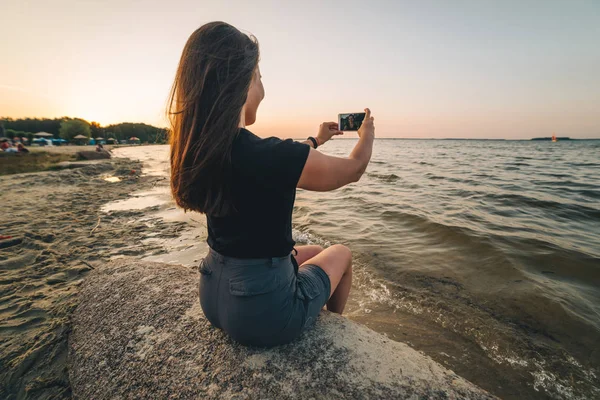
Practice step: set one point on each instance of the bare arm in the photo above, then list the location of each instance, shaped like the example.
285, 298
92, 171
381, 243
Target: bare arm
322, 172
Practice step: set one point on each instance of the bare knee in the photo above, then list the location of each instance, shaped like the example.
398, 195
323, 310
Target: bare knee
343, 252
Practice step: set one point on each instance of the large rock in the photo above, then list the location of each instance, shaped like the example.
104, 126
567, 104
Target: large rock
93, 155
139, 332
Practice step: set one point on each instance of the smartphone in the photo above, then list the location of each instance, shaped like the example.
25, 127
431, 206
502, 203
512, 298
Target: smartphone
350, 121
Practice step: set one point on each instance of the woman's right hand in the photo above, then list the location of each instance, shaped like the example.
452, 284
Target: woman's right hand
323, 172
367, 127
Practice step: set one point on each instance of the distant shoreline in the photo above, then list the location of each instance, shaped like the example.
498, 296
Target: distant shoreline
43, 158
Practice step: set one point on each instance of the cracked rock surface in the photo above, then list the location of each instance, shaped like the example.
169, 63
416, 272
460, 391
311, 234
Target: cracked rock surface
139, 332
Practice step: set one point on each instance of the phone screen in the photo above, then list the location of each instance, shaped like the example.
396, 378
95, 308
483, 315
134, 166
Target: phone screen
350, 121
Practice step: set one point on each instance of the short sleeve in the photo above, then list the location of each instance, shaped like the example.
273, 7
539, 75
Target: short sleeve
275, 163
285, 161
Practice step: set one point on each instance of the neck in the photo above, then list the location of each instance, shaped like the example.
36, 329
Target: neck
242, 118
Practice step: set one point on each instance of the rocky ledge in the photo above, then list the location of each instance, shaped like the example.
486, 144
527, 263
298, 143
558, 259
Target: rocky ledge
139, 332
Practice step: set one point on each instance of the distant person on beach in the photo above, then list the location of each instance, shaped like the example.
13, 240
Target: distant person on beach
22, 149
7, 147
99, 147
254, 284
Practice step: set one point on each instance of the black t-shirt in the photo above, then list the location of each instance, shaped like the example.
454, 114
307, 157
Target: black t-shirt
265, 173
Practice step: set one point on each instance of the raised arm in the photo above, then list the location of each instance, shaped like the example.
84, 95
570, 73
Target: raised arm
322, 172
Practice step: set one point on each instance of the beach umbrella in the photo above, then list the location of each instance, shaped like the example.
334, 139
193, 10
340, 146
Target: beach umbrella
99, 138
43, 134
133, 138
80, 137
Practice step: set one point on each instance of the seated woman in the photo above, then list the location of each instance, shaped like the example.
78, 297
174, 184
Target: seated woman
252, 285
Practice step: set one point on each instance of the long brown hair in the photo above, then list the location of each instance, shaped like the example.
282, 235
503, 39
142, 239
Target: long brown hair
211, 86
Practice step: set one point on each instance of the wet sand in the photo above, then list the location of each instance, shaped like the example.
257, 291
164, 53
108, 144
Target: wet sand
59, 233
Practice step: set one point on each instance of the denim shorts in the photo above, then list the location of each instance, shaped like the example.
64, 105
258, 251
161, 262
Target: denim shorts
261, 302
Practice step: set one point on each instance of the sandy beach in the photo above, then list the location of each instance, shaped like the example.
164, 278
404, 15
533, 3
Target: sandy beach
58, 233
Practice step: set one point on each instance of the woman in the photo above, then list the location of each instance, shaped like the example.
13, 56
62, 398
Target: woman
251, 285
350, 125
22, 149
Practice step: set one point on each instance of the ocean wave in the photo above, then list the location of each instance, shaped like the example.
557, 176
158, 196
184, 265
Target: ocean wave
594, 194
433, 176
556, 175
436, 232
583, 164
472, 182
564, 210
384, 177
307, 237
567, 183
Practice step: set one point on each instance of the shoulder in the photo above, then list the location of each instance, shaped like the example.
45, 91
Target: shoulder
247, 143
246, 140
272, 161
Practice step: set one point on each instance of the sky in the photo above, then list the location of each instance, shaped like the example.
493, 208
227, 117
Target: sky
508, 69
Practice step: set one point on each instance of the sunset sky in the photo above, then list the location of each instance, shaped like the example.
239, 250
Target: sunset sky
472, 69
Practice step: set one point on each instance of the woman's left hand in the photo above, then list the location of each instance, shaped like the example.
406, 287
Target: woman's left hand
327, 130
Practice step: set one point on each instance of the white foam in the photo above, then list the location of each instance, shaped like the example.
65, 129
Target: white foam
309, 238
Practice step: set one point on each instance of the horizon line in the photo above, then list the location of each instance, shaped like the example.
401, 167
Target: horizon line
564, 138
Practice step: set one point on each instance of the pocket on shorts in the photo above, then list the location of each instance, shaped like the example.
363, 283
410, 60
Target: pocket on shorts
204, 268
254, 285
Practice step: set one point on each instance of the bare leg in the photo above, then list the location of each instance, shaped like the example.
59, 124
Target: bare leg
337, 301
336, 261
307, 252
